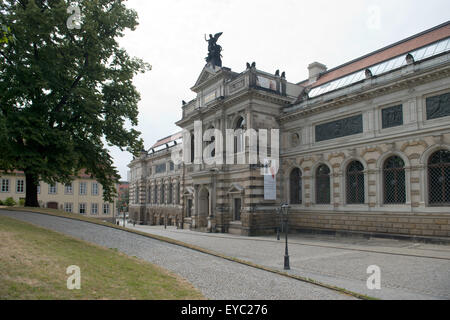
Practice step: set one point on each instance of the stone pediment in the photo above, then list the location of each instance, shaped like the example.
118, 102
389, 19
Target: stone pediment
188, 191
207, 73
236, 188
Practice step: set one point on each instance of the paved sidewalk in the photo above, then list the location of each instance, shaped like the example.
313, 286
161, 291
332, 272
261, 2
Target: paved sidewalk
408, 270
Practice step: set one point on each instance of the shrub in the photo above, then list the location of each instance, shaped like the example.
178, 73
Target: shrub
10, 202
1, 203
21, 202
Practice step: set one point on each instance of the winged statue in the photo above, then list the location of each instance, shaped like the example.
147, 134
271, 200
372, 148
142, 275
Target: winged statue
214, 57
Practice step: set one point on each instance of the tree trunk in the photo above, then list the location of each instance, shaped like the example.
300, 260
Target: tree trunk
31, 198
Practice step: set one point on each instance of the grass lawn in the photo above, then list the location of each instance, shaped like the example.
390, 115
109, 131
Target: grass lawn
33, 263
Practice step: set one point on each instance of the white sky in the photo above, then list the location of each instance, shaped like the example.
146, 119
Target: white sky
282, 34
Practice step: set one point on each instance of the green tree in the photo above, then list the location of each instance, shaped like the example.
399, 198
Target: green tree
66, 93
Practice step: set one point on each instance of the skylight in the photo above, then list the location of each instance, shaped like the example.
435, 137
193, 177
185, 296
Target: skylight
383, 67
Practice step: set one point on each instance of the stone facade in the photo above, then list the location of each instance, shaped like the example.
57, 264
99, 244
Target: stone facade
355, 159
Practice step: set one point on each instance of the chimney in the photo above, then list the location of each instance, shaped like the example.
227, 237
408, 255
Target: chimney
315, 69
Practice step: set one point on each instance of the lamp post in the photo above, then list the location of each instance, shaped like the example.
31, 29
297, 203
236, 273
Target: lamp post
278, 223
284, 211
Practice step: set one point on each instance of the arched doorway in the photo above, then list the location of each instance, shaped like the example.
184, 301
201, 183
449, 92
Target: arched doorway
203, 211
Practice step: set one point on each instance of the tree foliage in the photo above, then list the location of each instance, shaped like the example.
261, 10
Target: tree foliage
66, 93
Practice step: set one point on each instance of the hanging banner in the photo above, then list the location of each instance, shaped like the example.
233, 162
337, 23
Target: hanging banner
270, 181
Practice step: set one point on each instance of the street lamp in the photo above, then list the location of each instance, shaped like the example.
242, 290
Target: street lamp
278, 222
284, 211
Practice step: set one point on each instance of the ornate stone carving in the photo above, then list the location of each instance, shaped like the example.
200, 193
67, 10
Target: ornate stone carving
392, 116
340, 128
438, 106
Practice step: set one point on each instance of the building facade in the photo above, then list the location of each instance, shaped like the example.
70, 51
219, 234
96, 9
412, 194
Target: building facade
363, 147
83, 196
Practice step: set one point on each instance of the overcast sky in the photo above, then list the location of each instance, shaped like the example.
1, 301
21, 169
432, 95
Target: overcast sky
283, 34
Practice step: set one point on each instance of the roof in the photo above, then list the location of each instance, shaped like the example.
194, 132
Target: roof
399, 48
168, 139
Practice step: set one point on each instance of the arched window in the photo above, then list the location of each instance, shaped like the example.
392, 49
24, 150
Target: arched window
155, 195
439, 178
295, 186
170, 200
239, 135
323, 194
394, 181
162, 193
355, 183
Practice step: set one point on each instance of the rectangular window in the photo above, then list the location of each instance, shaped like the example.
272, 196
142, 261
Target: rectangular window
392, 116
94, 208
161, 168
340, 128
83, 188
68, 188
68, 207
82, 208
52, 189
438, 106
5, 185
106, 209
20, 187
95, 189
39, 188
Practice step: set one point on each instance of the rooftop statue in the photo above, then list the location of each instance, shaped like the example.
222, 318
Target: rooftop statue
214, 57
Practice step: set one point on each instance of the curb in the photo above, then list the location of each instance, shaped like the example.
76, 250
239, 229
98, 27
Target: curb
202, 250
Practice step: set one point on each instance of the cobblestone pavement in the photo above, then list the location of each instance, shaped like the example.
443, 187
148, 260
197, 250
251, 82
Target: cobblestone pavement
216, 278
408, 270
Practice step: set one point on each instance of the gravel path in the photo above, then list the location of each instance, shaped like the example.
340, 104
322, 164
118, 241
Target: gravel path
215, 277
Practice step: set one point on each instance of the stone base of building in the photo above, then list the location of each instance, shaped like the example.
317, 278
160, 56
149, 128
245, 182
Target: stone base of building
170, 216
400, 225
393, 225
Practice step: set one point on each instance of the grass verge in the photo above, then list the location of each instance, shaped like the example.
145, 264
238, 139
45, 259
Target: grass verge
58, 213
33, 264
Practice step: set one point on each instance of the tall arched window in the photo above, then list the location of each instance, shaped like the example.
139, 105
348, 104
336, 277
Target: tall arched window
355, 183
163, 187
170, 200
394, 181
323, 190
295, 186
439, 178
155, 195
239, 136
